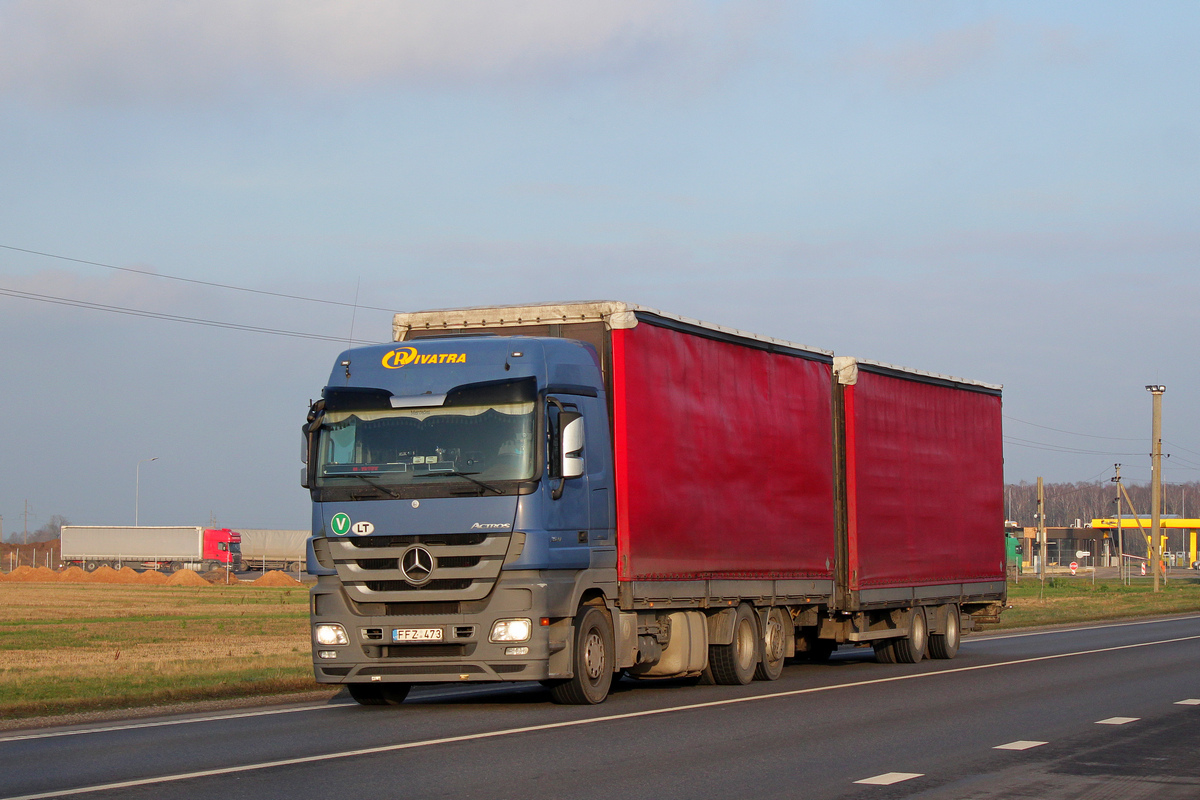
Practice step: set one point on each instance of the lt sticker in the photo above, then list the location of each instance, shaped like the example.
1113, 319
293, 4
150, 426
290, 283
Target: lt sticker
340, 523
362, 528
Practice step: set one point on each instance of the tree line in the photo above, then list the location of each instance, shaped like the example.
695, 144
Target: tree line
1068, 502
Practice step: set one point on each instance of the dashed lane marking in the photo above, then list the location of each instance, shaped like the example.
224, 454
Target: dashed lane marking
888, 778
1117, 720
1189, 702
1018, 745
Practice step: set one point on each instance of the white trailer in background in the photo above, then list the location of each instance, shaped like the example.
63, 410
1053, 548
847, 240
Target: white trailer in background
265, 549
167, 548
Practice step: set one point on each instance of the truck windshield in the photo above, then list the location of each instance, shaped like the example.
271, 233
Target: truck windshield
484, 431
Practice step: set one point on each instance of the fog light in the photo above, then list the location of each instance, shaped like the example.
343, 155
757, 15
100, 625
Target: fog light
511, 630
516, 651
327, 633
327, 654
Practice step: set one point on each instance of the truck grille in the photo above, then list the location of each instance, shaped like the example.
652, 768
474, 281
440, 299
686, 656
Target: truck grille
465, 566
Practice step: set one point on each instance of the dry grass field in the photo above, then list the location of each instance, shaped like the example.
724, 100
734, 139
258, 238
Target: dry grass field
1076, 599
72, 647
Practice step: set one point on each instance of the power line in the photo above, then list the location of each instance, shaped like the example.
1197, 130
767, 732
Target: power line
1071, 433
192, 280
1036, 445
135, 312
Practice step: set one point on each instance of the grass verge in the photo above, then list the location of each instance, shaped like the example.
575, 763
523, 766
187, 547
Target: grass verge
66, 648
1075, 599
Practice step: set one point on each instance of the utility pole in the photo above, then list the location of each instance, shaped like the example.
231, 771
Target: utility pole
1120, 531
1041, 516
1156, 479
25, 536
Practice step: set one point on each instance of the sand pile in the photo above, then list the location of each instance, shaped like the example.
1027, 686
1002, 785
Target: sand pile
185, 577
104, 574
275, 578
72, 575
26, 574
153, 578
215, 576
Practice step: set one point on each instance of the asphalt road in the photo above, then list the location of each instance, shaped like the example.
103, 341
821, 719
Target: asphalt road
1108, 711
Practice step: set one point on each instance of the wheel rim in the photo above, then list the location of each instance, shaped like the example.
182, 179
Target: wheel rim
593, 655
952, 627
745, 645
773, 644
918, 631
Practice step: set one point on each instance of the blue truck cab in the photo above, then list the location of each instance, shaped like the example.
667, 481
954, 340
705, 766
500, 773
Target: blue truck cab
462, 516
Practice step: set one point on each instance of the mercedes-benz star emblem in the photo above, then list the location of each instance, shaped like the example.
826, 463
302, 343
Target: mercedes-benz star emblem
416, 565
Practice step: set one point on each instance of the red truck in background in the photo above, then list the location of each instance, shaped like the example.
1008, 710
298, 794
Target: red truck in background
167, 549
570, 492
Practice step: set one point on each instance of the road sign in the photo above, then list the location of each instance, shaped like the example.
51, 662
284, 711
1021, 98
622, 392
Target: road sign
1143, 567
1082, 553
1074, 566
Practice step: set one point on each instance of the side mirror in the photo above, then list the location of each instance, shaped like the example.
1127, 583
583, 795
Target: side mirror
566, 448
308, 449
572, 444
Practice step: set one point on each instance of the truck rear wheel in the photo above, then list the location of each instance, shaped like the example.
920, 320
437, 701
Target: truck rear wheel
378, 694
592, 661
911, 648
945, 644
774, 645
734, 663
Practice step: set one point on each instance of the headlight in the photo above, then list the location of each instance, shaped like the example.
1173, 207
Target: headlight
511, 630
330, 634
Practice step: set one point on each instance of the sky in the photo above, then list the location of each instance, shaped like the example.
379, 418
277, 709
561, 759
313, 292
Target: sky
205, 200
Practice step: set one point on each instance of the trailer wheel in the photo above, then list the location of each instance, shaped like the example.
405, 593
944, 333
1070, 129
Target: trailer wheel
378, 694
90, 566
945, 645
885, 650
911, 648
774, 646
734, 663
592, 661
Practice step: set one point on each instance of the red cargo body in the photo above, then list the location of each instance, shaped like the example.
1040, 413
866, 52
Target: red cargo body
723, 455
924, 478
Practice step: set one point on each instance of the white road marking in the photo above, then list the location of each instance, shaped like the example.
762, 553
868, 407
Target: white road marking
1189, 702
888, 778
1019, 745
391, 748
1117, 720
996, 637
160, 723
457, 691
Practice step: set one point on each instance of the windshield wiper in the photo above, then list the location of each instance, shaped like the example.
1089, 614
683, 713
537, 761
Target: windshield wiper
378, 486
466, 475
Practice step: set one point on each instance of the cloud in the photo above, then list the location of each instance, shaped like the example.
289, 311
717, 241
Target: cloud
942, 55
146, 49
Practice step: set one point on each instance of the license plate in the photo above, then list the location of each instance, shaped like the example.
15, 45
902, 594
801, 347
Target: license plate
417, 635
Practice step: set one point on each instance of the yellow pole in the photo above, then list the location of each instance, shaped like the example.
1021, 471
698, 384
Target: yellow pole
1192, 550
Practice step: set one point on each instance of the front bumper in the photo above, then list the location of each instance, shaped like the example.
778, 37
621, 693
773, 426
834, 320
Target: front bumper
464, 652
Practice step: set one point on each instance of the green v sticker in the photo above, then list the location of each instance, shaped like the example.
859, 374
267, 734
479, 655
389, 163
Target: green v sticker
340, 523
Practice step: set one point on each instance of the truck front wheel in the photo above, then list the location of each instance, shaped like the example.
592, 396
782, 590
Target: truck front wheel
592, 661
378, 694
734, 663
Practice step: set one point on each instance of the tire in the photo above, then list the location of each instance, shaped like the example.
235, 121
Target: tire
734, 664
945, 644
378, 694
591, 661
885, 651
911, 648
90, 566
774, 645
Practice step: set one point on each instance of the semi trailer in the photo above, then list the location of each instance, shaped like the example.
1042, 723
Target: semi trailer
166, 549
573, 492
267, 549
